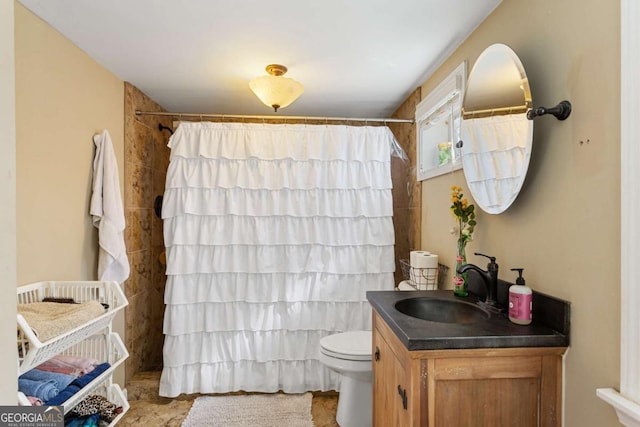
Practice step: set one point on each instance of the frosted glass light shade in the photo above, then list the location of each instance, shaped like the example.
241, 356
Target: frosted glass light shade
276, 91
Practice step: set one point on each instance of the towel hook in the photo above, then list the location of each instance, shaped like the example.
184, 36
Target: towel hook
560, 111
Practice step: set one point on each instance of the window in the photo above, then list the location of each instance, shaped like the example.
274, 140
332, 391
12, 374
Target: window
438, 119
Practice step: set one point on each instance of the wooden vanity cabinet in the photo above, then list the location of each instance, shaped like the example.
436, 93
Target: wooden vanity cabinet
471, 387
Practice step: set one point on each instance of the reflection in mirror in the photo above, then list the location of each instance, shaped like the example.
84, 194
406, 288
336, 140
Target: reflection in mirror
497, 136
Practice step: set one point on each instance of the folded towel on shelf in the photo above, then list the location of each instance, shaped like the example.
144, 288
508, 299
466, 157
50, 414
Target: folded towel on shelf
70, 365
34, 401
61, 380
86, 379
90, 421
63, 396
43, 390
77, 384
50, 319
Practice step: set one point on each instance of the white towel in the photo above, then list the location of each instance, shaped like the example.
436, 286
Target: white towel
107, 212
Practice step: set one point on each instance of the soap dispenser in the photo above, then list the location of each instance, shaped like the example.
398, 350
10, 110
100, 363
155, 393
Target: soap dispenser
520, 300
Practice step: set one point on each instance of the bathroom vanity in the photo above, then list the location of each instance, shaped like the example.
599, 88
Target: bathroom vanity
466, 371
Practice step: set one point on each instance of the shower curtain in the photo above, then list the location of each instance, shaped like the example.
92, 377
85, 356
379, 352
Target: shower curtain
273, 233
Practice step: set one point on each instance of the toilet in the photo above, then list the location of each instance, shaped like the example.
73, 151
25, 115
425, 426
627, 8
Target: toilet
349, 354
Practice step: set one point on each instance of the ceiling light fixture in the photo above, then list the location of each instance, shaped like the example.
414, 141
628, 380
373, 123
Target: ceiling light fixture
275, 90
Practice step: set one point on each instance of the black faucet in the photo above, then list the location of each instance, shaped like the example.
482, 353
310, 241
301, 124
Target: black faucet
489, 277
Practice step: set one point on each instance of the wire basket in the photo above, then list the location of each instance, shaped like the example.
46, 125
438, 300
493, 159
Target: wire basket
424, 279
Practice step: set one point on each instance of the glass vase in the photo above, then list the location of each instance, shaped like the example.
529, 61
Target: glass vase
460, 281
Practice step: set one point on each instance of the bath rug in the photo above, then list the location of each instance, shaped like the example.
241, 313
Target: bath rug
254, 410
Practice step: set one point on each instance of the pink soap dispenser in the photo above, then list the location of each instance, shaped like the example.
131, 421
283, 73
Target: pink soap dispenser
520, 300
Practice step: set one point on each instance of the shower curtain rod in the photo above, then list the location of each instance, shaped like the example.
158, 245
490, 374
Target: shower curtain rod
242, 116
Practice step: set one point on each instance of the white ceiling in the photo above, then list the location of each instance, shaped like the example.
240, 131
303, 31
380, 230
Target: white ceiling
356, 58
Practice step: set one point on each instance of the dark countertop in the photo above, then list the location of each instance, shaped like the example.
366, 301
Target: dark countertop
494, 332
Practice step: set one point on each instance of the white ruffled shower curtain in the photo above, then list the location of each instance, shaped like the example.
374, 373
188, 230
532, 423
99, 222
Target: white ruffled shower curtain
274, 233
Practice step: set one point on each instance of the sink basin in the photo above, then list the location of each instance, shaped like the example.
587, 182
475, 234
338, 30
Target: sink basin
442, 310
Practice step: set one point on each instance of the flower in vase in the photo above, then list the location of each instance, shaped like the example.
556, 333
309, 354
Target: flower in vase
465, 216
464, 213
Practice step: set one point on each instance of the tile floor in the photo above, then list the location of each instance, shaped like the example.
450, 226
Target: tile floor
148, 409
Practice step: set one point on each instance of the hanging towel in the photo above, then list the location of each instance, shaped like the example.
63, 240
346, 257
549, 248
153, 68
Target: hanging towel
107, 212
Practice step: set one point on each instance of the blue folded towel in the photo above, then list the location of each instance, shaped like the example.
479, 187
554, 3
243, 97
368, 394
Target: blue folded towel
76, 385
90, 421
61, 380
43, 390
63, 396
87, 378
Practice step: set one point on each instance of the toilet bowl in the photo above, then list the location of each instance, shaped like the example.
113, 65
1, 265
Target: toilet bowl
349, 354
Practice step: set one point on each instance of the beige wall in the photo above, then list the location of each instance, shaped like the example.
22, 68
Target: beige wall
63, 97
9, 383
564, 227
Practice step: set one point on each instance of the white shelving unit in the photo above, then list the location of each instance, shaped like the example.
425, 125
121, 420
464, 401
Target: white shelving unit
93, 339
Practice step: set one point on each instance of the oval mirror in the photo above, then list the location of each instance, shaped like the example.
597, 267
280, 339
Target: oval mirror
496, 135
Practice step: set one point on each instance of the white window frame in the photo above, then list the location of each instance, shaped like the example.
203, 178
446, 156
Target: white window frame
453, 85
626, 401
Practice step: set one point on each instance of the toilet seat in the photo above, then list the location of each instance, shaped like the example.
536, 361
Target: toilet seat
352, 345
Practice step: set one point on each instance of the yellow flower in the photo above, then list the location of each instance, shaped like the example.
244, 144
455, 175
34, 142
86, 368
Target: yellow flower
463, 212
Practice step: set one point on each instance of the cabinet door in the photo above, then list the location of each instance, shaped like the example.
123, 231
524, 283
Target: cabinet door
497, 391
390, 387
383, 379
